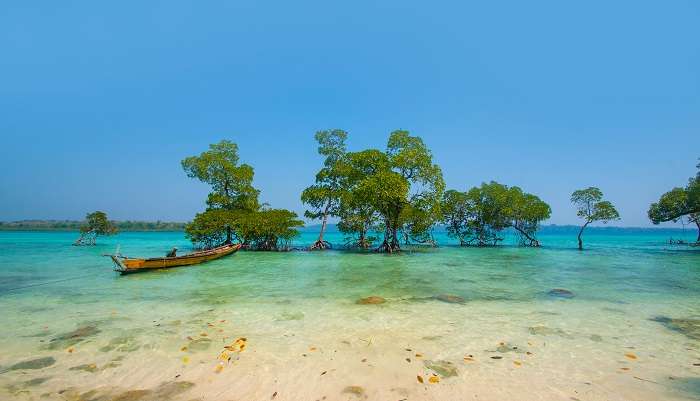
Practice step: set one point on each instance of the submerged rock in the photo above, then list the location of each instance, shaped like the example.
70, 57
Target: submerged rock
168, 390
443, 368
286, 316
560, 293
199, 344
89, 367
689, 327
121, 344
547, 331
133, 395
373, 300
507, 347
450, 299
355, 390
35, 382
38, 363
165, 391
25, 385
110, 365
73, 337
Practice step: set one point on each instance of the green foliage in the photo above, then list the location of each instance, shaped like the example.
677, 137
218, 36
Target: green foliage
396, 192
410, 157
679, 203
210, 228
268, 229
358, 218
420, 210
672, 206
263, 230
233, 210
487, 207
591, 207
478, 216
527, 211
323, 197
332, 145
232, 184
357, 224
457, 212
98, 223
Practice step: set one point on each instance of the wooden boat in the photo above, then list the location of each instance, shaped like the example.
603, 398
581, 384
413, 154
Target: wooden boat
125, 265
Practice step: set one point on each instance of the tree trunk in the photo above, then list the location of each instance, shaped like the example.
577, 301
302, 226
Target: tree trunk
361, 242
533, 242
395, 244
391, 242
697, 223
580, 242
320, 243
228, 235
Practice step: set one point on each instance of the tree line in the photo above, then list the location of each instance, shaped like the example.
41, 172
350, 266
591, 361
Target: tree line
75, 225
386, 199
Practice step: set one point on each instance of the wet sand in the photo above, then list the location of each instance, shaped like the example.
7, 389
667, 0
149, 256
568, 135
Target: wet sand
402, 349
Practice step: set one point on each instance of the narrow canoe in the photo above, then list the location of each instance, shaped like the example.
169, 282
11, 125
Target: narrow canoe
126, 265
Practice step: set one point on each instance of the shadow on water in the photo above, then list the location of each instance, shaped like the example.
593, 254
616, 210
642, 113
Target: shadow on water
688, 327
688, 386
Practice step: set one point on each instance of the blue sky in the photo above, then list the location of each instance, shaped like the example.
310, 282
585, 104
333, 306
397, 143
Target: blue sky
100, 101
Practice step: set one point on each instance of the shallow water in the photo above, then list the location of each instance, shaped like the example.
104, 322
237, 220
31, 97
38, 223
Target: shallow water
72, 329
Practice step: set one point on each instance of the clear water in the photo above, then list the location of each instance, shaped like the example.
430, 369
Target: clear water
159, 335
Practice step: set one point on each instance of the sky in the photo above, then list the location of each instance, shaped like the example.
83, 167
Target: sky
99, 101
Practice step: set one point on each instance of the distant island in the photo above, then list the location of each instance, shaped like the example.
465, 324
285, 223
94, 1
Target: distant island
74, 225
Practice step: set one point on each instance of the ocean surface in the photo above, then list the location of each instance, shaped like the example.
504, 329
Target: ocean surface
623, 321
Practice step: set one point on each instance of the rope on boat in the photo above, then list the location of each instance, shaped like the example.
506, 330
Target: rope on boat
3, 292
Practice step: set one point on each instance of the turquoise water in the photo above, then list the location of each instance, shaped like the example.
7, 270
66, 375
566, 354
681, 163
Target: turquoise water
633, 294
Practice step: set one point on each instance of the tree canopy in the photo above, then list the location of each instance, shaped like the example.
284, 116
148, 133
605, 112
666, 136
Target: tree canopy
233, 210
396, 192
679, 203
231, 182
526, 212
323, 198
96, 224
591, 207
478, 216
398, 195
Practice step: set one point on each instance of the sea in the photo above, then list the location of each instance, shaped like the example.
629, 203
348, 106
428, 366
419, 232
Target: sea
619, 320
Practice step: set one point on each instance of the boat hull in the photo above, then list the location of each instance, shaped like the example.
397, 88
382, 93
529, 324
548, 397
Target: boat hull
126, 265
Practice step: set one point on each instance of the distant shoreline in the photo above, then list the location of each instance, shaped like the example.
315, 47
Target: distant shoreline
149, 226
74, 225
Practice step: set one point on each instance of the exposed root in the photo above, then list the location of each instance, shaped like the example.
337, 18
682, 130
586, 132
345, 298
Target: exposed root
320, 245
388, 247
86, 238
